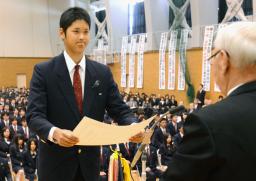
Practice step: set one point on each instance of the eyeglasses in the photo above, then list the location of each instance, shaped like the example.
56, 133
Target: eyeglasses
214, 55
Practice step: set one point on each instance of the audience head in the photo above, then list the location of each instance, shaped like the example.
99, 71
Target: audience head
19, 140
23, 122
14, 121
6, 133
5, 116
32, 144
163, 123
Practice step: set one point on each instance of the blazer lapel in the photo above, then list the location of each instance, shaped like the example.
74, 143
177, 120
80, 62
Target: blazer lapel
89, 93
65, 85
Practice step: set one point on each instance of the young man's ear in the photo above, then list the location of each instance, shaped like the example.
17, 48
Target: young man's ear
62, 33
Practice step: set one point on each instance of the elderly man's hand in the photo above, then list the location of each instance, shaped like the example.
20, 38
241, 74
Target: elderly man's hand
142, 137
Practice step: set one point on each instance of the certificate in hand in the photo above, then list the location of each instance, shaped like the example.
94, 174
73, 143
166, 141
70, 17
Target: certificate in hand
91, 132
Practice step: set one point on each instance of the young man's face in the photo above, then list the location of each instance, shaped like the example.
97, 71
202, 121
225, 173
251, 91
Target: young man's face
77, 37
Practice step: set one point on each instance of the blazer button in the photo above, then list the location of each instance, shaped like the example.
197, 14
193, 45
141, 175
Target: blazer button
79, 151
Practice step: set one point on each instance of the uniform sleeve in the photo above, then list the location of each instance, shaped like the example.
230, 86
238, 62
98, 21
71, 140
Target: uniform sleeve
37, 105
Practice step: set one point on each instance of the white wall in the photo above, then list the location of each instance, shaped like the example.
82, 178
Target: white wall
24, 29
29, 28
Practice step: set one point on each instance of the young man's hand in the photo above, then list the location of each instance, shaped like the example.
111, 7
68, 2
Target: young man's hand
64, 137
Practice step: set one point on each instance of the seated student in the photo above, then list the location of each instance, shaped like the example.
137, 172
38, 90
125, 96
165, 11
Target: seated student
17, 156
5, 141
30, 159
25, 131
14, 127
4, 170
5, 122
178, 137
173, 125
17, 116
151, 163
160, 134
167, 150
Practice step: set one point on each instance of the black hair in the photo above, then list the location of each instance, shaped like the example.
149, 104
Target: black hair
73, 14
17, 138
29, 143
3, 130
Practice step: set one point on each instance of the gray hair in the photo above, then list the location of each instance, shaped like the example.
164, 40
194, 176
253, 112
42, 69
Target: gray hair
239, 41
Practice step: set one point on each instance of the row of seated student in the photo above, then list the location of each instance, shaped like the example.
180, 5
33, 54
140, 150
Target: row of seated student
164, 141
18, 156
166, 138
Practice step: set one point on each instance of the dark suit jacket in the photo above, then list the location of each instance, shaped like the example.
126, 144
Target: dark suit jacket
52, 103
171, 129
18, 131
158, 138
219, 141
177, 139
4, 148
200, 96
30, 163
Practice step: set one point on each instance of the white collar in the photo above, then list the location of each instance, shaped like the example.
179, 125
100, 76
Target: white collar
234, 88
71, 64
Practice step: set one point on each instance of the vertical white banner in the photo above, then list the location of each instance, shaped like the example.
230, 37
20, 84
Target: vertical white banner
140, 64
163, 43
132, 61
207, 50
182, 59
123, 60
171, 60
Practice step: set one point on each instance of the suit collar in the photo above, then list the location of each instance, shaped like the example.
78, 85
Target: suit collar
247, 87
71, 64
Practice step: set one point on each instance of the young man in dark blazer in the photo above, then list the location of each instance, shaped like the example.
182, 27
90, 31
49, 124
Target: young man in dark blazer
219, 140
63, 91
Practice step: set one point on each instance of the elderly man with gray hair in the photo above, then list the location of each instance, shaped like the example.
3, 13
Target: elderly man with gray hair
219, 140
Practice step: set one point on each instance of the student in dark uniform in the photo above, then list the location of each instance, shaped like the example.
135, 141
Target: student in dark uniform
17, 150
5, 141
30, 159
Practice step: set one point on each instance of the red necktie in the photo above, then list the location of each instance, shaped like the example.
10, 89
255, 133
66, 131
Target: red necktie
78, 89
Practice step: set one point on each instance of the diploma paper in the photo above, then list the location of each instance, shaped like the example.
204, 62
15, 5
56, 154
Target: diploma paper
91, 132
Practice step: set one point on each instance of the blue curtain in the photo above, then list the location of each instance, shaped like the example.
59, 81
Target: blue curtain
179, 3
139, 23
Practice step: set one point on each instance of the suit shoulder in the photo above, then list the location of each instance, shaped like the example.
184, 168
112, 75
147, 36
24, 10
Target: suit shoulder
211, 111
44, 65
47, 65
